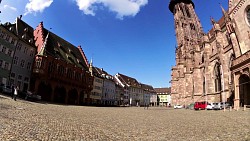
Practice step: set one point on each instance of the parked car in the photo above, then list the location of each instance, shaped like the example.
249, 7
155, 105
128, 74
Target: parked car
190, 106
200, 105
217, 106
32, 96
178, 106
1, 87
210, 106
6, 89
227, 105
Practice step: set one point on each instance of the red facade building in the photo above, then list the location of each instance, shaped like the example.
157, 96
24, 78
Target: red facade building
61, 70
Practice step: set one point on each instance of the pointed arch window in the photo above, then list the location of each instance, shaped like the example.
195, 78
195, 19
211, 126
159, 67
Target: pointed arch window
230, 78
183, 12
217, 79
248, 14
204, 86
187, 12
202, 59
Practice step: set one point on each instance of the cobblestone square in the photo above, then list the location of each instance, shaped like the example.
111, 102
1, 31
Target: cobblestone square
23, 120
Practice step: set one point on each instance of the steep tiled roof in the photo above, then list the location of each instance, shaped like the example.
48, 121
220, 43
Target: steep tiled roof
148, 87
221, 22
163, 90
22, 30
128, 80
101, 73
98, 72
62, 49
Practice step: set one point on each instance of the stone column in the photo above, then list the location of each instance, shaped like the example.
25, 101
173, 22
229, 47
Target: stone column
78, 98
236, 91
52, 93
67, 97
235, 44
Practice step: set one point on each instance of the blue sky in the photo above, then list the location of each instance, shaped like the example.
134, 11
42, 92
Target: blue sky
132, 37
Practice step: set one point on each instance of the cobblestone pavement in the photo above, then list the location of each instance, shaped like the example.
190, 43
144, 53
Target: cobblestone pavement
23, 120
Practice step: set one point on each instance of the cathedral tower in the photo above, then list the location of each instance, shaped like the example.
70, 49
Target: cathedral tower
189, 35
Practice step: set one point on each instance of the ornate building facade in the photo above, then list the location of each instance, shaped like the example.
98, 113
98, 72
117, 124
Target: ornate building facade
61, 70
211, 66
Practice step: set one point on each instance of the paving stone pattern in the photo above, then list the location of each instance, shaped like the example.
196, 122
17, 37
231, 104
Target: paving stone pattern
24, 120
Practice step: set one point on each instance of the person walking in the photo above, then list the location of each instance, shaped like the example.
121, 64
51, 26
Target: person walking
15, 92
12, 91
145, 105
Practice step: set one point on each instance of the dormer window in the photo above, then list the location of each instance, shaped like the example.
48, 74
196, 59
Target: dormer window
31, 40
26, 29
11, 29
24, 36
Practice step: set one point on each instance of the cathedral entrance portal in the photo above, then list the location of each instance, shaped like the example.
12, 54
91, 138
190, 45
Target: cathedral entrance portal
244, 90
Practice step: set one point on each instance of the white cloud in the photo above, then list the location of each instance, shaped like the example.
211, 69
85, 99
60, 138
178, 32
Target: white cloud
120, 7
10, 7
37, 5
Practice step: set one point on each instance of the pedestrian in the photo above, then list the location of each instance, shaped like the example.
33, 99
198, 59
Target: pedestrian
146, 105
15, 92
12, 91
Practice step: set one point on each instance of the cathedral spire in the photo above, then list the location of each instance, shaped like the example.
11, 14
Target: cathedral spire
91, 67
187, 24
225, 14
212, 20
174, 2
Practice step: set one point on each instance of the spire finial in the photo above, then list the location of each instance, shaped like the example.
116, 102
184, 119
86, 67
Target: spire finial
225, 14
212, 20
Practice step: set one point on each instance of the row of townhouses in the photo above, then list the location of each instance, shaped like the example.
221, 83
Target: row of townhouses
119, 90
42, 62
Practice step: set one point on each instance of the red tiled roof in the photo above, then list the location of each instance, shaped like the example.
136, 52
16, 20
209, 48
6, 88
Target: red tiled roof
221, 22
128, 80
148, 87
62, 49
22, 30
163, 90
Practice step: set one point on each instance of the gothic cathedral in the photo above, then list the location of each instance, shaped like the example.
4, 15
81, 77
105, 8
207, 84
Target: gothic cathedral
211, 66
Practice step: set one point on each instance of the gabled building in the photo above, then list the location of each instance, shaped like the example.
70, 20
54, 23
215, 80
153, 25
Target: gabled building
124, 93
149, 95
120, 94
164, 96
19, 51
7, 49
24, 55
134, 93
61, 70
96, 93
109, 90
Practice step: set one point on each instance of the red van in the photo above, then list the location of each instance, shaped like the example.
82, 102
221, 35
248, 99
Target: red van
200, 105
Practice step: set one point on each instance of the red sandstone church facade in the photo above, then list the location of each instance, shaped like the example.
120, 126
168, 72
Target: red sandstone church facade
213, 66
